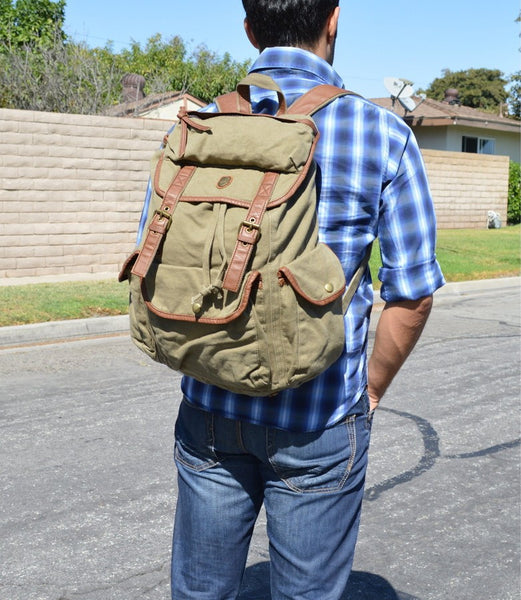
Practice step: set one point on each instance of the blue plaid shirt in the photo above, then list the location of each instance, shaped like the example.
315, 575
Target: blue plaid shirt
372, 183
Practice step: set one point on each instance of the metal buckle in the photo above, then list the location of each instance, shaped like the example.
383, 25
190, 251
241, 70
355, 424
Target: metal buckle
164, 214
250, 226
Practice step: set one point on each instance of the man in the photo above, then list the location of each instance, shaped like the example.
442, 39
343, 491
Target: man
303, 453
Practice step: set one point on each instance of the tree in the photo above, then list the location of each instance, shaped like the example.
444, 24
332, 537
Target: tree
38, 69
161, 63
31, 22
41, 69
166, 65
514, 194
210, 75
514, 96
69, 78
64, 76
483, 89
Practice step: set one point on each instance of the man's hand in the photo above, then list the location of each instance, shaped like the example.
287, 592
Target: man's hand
398, 330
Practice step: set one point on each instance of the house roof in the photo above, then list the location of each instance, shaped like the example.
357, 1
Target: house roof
434, 113
151, 102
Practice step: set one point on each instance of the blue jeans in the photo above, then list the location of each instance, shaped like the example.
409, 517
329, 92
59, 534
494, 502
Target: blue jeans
311, 485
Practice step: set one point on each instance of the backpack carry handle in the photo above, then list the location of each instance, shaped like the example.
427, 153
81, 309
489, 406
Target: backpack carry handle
241, 101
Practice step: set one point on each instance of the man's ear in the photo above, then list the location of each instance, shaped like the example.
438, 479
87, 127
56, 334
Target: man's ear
332, 24
250, 34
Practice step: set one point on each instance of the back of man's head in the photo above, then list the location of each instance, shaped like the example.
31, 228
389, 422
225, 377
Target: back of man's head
297, 23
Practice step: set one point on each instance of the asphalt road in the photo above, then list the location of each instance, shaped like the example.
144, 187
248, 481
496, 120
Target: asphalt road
88, 481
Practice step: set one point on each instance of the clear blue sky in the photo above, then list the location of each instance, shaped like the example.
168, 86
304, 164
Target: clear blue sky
377, 38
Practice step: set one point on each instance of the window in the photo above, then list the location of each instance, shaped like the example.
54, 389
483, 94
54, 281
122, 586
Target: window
478, 145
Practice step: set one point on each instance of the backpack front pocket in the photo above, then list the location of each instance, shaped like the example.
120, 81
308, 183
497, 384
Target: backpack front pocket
311, 301
221, 341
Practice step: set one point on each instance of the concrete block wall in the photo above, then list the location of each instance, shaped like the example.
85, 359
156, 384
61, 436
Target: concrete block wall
72, 188
466, 186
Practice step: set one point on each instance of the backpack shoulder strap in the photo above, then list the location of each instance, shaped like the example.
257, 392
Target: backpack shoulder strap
239, 101
308, 104
316, 98
232, 102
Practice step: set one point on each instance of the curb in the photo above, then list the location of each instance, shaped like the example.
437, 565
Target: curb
95, 327
59, 331
464, 288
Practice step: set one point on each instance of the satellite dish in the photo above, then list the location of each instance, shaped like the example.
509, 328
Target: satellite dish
401, 91
408, 103
398, 88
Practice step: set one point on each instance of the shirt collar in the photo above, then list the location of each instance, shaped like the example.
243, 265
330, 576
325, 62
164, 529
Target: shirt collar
297, 59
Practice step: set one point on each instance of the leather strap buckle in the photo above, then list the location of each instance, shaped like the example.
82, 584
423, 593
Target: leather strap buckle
249, 232
164, 213
250, 226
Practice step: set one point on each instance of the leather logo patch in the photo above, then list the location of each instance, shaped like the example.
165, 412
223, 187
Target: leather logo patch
224, 182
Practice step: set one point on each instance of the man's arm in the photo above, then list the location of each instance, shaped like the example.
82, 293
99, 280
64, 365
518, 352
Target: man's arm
398, 330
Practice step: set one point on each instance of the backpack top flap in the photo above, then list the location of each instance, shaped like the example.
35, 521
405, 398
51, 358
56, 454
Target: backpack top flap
258, 141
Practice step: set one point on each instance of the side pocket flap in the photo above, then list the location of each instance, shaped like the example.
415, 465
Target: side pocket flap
127, 266
317, 276
178, 293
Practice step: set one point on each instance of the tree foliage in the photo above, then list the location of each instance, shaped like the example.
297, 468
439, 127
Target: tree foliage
514, 194
31, 23
51, 73
167, 65
514, 96
483, 89
66, 78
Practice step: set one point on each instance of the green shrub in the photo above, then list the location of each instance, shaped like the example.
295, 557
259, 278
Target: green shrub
514, 194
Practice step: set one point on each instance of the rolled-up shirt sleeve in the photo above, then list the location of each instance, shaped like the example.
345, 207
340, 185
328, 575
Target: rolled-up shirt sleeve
407, 222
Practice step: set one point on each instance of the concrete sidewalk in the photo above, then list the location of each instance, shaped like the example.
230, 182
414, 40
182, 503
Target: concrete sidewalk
55, 331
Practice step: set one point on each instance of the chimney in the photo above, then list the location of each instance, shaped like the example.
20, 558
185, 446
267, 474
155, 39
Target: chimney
451, 96
133, 86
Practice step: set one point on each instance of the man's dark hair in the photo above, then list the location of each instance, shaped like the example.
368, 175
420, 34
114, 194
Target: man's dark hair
296, 23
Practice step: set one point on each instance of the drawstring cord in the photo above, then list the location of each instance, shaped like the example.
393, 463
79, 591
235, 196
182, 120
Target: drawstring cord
210, 288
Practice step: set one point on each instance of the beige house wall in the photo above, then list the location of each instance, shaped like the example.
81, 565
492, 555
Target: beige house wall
72, 186
466, 186
71, 190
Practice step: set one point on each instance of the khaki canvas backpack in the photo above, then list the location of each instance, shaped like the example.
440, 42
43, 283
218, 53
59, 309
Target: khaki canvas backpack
230, 284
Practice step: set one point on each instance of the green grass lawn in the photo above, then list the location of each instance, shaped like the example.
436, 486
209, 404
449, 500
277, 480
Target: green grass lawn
467, 254
479, 254
464, 254
58, 301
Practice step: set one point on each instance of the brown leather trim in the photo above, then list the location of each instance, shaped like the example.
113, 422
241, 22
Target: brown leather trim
233, 110
245, 204
244, 104
147, 254
159, 191
125, 269
232, 103
252, 277
237, 266
160, 222
316, 98
248, 234
243, 98
295, 285
226, 102
272, 203
223, 199
185, 122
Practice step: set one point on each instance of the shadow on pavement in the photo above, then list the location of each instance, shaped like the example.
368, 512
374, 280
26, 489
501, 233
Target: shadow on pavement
361, 586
